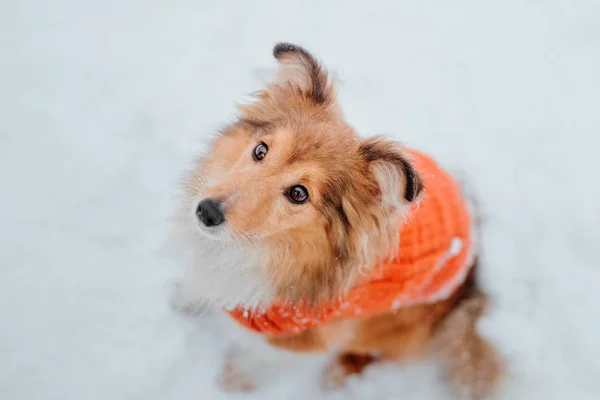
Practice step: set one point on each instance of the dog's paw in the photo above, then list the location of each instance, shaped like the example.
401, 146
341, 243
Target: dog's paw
239, 370
232, 380
343, 366
334, 376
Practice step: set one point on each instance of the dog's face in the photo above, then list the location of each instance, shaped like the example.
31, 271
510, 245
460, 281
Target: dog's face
273, 178
294, 182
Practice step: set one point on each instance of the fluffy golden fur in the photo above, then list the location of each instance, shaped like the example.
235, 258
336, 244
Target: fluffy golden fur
269, 247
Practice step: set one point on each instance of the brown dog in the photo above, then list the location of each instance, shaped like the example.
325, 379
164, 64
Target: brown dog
290, 205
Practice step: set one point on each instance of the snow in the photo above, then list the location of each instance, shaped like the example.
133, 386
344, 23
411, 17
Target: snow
104, 104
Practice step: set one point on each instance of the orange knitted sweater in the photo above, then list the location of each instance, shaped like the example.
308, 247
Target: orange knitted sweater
434, 258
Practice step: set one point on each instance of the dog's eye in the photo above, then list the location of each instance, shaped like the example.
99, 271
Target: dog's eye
297, 194
260, 151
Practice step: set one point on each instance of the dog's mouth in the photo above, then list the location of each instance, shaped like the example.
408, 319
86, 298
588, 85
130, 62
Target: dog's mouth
218, 233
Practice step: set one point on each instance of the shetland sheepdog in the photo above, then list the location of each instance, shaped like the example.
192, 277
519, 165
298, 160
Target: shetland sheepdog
292, 222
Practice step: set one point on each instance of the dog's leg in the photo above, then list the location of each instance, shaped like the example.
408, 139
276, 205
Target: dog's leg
249, 365
389, 337
401, 345
473, 368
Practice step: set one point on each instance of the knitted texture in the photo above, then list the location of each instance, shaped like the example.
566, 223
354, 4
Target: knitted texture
434, 258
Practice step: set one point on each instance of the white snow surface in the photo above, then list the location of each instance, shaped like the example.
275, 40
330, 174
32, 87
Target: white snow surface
104, 104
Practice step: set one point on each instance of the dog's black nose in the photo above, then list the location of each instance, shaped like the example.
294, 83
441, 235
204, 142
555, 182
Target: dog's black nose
209, 212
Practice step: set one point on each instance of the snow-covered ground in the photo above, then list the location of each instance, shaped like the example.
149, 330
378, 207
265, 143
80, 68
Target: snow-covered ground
103, 104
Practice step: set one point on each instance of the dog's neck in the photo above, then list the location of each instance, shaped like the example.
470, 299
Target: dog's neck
227, 275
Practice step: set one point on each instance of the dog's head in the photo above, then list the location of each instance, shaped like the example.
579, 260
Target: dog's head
292, 182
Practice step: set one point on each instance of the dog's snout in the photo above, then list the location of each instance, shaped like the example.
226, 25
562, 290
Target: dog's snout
209, 212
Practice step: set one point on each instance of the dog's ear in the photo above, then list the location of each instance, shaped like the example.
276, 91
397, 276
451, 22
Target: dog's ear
399, 182
299, 70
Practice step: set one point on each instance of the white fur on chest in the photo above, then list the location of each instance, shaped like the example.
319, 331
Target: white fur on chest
223, 273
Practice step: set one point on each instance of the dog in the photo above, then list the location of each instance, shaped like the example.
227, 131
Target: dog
322, 241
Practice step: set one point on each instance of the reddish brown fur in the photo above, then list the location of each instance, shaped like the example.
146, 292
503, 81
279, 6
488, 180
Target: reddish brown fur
318, 250
310, 144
